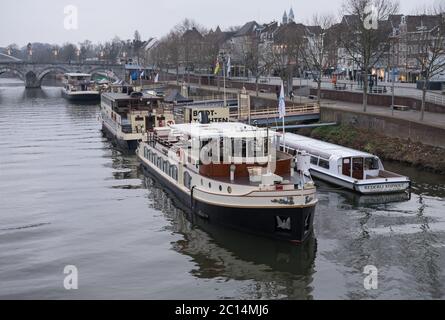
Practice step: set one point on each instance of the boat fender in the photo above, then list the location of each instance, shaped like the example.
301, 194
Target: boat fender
192, 205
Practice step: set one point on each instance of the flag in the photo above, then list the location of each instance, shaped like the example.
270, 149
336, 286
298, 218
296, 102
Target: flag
282, 103
217, 67
157, 78
229, 67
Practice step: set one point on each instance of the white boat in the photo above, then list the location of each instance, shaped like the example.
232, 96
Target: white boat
79, 87
127, 117
351, 169
232, 174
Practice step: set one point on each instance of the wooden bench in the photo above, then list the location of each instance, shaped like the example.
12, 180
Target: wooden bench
379, 89
340, 86
400, 107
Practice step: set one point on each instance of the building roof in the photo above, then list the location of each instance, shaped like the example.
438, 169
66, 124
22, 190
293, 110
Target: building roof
192, 35
248, 29
175, 96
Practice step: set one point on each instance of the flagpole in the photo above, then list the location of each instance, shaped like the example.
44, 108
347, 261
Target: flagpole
224, 76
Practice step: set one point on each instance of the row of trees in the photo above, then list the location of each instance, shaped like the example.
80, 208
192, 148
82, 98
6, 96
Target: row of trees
112, 51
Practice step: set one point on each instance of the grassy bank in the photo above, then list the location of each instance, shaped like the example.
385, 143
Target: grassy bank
392, 149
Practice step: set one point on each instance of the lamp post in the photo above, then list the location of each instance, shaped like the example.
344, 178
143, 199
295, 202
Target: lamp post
223, 59
29, 47
55, 53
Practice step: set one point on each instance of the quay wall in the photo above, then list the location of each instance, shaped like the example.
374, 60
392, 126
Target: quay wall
377, 99
388, 126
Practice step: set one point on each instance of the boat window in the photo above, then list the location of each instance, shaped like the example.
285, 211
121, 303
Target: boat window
187, 180
314, 161
174, 172
371, 164
229, 189
324, 164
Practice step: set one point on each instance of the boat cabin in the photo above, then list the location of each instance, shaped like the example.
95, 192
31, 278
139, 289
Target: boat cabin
228, 151
136, 112
338, 160
78, 82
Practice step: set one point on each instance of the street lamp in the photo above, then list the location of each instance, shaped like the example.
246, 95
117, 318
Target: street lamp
56, 53
29, 46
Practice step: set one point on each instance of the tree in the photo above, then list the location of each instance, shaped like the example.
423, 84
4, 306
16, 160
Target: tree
68, 52
284, 55
138, 45
364, 34
86, 49
429, 48
315, 50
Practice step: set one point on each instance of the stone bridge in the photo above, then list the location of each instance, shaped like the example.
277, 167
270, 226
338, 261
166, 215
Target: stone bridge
33, 73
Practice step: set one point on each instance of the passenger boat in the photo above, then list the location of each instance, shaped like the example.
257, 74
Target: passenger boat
79, 87
233, 175
351, 169
126, 117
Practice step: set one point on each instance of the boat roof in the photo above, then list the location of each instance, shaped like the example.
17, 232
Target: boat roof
74, 74
125, 96
321, 148
222, 129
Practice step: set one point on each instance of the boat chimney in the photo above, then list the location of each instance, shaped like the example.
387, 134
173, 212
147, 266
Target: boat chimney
292, 167
232, 172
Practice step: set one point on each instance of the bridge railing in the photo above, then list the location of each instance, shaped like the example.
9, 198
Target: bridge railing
273, 112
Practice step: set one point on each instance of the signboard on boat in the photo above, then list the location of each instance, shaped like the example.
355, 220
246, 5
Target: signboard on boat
215, 114
384, 187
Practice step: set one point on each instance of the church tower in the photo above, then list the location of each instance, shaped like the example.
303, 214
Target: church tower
291, 17
285, 18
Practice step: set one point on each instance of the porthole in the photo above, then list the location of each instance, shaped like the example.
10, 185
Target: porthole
220, 188
210, 185
229, 189
202, 182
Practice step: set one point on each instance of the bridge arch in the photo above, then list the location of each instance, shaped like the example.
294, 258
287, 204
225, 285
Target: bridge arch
14, 71
48, 70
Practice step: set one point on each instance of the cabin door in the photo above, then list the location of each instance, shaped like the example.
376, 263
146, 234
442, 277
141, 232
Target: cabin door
150, 123
347, 167
357, 168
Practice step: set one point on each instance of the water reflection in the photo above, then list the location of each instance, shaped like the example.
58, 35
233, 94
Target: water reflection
278, 268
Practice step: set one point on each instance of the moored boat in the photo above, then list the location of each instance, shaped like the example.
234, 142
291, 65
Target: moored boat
348, 168
126, 117
233, 175
79, 87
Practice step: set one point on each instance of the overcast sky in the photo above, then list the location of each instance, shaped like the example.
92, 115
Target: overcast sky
26, 21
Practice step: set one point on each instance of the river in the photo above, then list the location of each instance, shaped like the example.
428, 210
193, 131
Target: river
68, 198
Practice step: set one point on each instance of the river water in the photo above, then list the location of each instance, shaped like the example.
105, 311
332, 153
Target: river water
68, 198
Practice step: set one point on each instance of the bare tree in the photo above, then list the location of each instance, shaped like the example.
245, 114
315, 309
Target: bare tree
315, 51
284, 55
429, 48
365, 32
